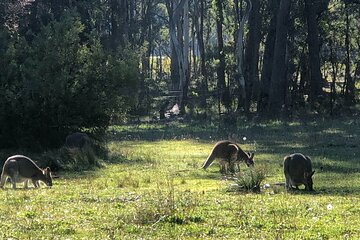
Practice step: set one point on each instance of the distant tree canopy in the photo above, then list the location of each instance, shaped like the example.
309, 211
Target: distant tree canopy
68, 66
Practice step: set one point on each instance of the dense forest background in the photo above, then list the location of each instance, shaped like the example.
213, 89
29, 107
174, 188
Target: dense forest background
70, 66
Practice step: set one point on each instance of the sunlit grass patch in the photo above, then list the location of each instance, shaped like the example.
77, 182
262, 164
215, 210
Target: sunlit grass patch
155, 189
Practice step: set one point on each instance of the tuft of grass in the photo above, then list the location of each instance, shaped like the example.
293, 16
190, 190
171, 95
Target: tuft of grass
251, 178
128, 181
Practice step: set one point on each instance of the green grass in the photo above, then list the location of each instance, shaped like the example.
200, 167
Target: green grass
152, 188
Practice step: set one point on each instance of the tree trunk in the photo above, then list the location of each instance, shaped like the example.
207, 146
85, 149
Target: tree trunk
242, 97
119, 24
350, 83
221, 84
178, 62
185, 84
278, 85
314, 51
268, 58
333, 82
199, 26
252, 55
174, 68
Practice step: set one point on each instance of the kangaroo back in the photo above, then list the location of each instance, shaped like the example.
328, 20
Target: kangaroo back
26, 167
77, 140
298, 170
218, 151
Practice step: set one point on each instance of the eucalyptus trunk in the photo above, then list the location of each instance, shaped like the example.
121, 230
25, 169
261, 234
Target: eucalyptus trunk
252, 55
314, 51
239, 51
223, 91
278, 85
268, 58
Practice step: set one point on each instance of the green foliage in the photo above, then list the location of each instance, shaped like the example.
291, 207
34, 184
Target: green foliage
56, 84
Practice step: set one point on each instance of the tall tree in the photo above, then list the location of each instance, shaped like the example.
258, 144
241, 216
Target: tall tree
199, 15
279, 81
239, 46
349, 81
252, 55
314, 49
119, 23
176, 31
268, 57
223, 90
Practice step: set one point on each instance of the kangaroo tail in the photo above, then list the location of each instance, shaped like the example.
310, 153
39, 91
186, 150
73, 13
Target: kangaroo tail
208, 161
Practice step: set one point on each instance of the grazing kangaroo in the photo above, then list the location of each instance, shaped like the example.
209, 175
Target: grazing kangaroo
20, 168
298, 171
228, 154
77, 140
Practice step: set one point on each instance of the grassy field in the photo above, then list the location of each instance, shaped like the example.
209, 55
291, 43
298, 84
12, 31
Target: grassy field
152, 188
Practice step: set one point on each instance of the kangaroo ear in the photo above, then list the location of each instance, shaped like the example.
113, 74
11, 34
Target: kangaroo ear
47, 171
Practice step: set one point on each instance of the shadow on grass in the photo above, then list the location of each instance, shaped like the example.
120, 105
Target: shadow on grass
319, 138
121, 159
206, 175
327, 167
337, 191
302, 131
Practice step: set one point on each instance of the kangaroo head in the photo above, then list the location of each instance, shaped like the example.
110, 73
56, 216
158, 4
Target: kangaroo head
308, 180
249, 161
48, 177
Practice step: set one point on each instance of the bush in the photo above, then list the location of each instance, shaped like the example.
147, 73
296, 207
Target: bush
74, 159
56, 83
251, 178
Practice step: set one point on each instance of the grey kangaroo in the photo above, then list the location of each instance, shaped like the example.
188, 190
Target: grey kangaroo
298, 171
20, 168
77, 140
228, 154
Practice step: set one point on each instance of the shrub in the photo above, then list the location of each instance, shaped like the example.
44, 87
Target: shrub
251, 178
56, 83
72, 159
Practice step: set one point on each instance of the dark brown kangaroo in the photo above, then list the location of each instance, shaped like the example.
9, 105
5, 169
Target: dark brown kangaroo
20, 168
298, 171
228, 154
77, 140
